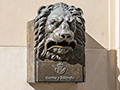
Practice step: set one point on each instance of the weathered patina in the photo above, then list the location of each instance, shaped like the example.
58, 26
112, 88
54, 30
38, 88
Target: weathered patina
59, 34
56, 45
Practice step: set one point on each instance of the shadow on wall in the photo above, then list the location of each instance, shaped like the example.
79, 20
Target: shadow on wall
100, 70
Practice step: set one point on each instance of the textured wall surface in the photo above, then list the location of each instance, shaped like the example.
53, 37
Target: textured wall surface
13, 71
15, 15
100, 69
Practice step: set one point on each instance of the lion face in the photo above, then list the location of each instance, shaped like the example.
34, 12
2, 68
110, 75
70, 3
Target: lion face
60, 38
59, 33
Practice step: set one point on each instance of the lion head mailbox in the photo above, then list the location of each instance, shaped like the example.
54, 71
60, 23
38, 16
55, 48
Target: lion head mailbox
57, 43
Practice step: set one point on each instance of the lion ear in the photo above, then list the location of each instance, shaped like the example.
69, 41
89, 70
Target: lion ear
39, 10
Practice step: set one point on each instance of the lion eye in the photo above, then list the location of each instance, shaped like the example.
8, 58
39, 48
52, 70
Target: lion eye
52, 21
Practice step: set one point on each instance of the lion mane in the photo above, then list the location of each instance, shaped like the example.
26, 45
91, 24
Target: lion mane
40, 36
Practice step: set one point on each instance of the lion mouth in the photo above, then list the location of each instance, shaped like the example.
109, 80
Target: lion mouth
61, 44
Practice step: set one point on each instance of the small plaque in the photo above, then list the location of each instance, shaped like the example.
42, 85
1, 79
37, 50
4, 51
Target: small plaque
58, 72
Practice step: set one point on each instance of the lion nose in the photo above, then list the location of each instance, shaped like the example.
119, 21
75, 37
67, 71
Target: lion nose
65, 35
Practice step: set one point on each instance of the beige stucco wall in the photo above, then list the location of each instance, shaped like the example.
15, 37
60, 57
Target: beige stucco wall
100, 39
16, 13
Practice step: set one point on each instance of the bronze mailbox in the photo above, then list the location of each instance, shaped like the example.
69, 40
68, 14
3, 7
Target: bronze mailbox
56, 41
